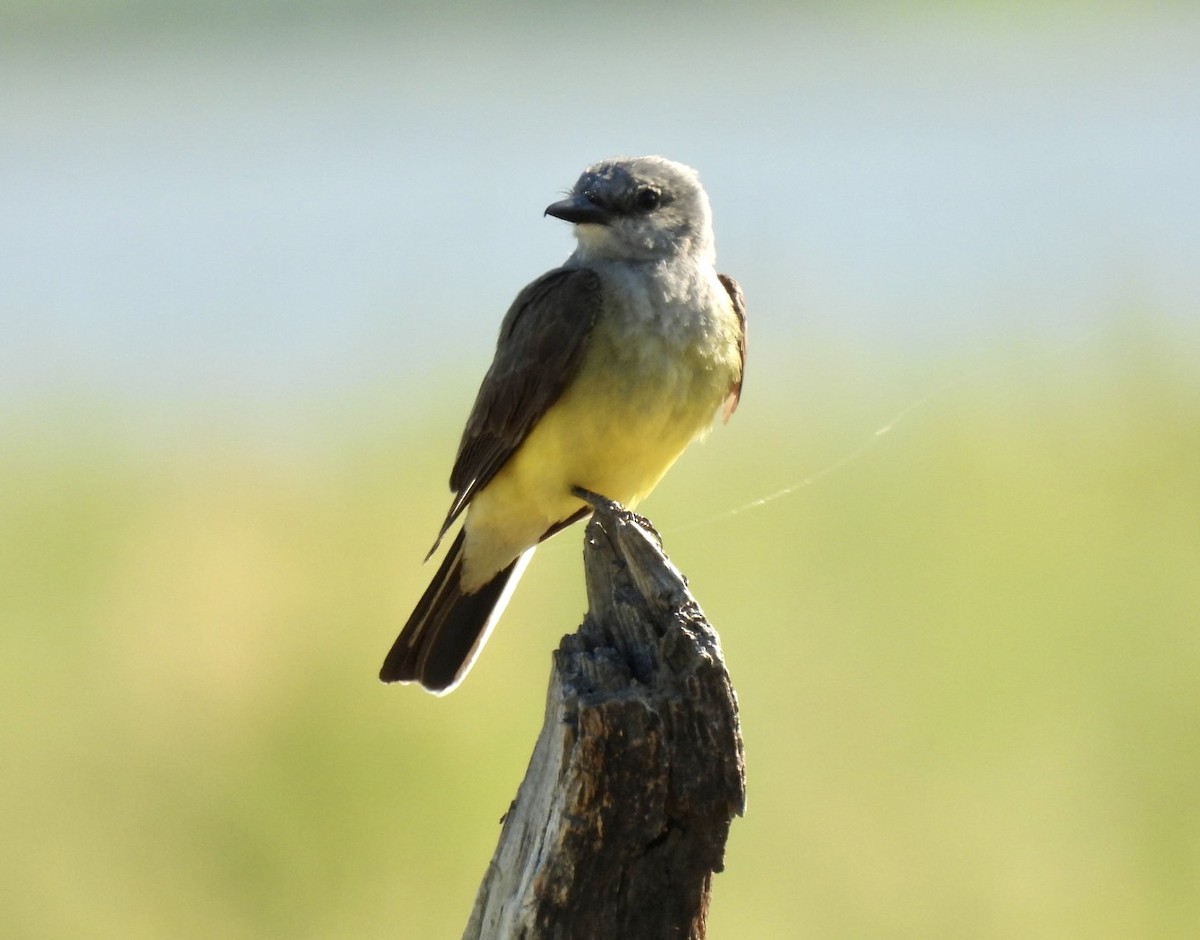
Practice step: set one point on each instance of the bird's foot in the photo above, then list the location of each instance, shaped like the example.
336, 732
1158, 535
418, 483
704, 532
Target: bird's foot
610, 506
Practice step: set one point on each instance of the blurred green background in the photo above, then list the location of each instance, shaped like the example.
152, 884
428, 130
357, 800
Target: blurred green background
254, 257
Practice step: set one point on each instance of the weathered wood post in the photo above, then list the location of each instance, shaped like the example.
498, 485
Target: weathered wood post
621, 820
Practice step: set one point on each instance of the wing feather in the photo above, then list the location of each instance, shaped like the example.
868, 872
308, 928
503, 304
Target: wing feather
541, 343
734, 289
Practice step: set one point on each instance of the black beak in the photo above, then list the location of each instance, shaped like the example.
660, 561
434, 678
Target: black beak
579, 209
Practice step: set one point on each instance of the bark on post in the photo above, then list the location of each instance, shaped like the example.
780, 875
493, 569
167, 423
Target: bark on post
623, 814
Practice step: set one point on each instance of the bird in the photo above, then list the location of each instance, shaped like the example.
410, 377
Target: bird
605, 369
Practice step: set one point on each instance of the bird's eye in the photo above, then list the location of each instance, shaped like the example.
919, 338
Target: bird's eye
647, 198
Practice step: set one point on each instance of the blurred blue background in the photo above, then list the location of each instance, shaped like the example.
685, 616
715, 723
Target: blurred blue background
252, 261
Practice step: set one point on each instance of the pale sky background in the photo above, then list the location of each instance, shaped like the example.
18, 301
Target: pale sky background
244, 220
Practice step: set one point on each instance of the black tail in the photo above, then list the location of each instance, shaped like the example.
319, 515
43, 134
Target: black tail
440, 640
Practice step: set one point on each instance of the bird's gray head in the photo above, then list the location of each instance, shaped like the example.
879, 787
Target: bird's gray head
639, 209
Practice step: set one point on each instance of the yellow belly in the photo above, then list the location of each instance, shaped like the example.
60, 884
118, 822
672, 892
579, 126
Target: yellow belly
642, 394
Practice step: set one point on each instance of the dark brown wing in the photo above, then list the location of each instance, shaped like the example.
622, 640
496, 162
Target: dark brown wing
734, 289
541, 344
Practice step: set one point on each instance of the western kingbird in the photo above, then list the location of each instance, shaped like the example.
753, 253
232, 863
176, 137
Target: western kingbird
605, 370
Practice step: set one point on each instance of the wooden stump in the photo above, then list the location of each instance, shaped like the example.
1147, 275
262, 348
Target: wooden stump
621, 820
